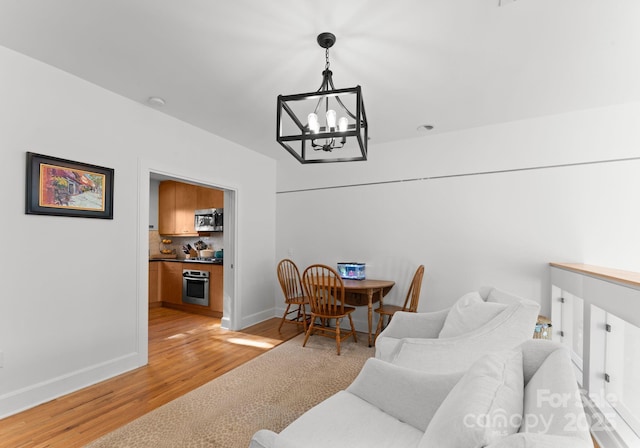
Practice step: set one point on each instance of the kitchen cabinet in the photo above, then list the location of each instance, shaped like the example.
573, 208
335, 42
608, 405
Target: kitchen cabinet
216, 289
171, 282
154, 279
177, 202
166, 208
185, 208
176, 206
209, 198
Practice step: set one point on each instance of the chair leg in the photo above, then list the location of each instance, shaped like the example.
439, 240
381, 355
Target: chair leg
338, 335
378, 328
284, 316
309, 330
353, 329
301, 317
304, 317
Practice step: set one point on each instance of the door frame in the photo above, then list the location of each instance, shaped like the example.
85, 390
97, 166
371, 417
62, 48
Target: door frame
230, 307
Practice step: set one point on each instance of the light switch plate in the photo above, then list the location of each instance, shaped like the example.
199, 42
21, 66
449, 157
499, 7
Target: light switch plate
1, 359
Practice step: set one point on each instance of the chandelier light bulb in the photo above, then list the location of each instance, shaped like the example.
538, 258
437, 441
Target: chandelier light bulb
312, 119
343, 124
331, 119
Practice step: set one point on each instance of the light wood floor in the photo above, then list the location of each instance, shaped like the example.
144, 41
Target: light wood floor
185, 352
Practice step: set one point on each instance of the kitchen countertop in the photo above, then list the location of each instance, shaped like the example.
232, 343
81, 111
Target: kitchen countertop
187, 260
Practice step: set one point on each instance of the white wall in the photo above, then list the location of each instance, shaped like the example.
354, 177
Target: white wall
73, 304
486, 206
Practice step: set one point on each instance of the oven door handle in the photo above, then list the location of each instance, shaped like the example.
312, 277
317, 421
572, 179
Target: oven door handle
195, 279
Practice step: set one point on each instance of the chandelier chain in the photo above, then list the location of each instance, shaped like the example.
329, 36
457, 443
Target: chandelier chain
326, 57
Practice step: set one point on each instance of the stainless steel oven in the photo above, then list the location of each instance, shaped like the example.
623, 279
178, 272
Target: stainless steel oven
195, 287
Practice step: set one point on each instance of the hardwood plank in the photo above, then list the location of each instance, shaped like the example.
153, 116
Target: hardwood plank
185, 352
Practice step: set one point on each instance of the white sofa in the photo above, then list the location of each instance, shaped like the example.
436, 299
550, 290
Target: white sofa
526, 396
450, 340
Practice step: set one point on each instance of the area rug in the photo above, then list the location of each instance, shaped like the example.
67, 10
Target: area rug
269, 391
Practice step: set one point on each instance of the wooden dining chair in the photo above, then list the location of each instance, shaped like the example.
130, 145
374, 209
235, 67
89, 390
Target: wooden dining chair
294, 294
410, 302
325, 289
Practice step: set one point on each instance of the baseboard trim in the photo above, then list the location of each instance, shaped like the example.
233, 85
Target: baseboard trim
31, 396
257, 318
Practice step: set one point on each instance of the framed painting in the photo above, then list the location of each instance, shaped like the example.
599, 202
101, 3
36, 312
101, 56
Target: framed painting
67, 188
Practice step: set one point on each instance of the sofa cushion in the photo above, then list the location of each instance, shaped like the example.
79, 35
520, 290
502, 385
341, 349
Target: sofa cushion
552, 403
344, 420
499, 296
485, 405
409, 395
468, 313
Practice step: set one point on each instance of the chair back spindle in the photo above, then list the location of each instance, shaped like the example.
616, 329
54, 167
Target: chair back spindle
294, 294
410, 302
325, 289
290, 281
413, 295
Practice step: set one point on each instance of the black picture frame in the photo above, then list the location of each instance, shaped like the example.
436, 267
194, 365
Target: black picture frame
63, 187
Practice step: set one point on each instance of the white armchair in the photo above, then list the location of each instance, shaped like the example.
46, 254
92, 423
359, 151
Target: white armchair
451, 340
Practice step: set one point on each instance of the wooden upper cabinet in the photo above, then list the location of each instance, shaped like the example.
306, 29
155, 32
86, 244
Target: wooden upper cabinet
167, 208
185, 208
209, 198
177, 202
176, 206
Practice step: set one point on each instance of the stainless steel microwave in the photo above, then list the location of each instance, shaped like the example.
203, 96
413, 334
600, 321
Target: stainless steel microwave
209, 220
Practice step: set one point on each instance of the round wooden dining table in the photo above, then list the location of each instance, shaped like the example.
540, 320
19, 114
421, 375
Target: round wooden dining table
366, 292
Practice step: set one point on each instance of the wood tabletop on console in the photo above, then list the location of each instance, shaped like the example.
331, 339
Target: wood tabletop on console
617, 275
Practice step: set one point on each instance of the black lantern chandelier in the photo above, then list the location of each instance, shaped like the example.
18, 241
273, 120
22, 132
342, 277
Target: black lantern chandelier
334, 125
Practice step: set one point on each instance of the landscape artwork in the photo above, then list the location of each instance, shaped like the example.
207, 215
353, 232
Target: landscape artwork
67, 188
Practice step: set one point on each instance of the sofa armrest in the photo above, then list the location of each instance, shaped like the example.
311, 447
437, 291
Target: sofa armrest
265, 438
507, 330
408, 325
415, 325
410, 396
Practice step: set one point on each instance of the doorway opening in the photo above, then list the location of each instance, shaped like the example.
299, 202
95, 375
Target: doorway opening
221, 242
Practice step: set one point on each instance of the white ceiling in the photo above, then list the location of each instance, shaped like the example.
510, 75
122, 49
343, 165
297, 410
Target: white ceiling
454, 64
